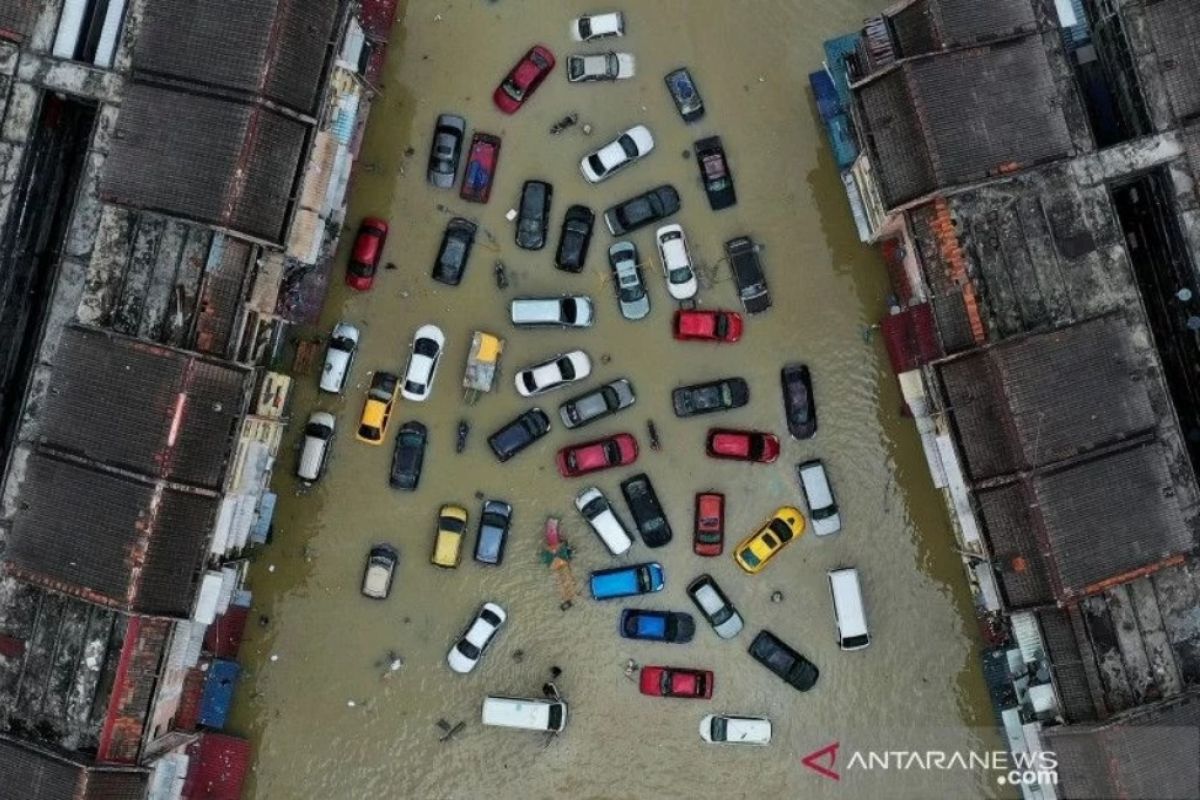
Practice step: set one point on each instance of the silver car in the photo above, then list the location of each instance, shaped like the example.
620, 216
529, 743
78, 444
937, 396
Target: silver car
446, 150
597, 404
631, 290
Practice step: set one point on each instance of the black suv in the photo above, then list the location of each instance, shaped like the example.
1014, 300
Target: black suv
534, 215
455, 250
574, 239
519, 434
646, 510
796, 670
409, 456
705, 398
638, 212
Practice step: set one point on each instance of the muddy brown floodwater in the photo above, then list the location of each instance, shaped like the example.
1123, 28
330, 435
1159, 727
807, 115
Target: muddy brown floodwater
920, 676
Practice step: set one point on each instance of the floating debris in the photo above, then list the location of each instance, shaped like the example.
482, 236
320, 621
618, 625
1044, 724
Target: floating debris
501, 272
776, 596
631, 667
390, 265
566, 122
518, 656
460, 442
652, 432
449, 730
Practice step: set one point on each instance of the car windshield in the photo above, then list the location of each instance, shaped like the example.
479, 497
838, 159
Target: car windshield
512, 90
538, 61
343, 343
585, 27
317, 430
612, 451
628, 145
467, 649
414, 387
452, 525
489, 616
781, 530
632, 292
566, 368
643, 579
494, 520
570, 309
679, 275
749, 557
823, 513
425, 347
726, 395
595, 508
597, 165
529, 381
664, 685
612, 64
611, 401
717, 732
721, 326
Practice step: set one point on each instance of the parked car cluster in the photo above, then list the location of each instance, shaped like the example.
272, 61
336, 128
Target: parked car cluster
688, 324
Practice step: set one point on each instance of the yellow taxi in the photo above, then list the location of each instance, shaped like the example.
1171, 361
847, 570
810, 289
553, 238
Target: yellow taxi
753, 552
451, 530
377, 411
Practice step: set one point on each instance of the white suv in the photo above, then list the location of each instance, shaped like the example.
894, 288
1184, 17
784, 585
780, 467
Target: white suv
627, 148
572, 311
676, 262
598, 26
596, 509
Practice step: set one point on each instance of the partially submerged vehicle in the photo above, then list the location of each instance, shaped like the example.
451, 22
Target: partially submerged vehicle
483, 362
380, 571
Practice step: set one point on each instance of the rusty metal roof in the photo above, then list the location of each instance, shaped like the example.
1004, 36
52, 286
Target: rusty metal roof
45, 775
1174, 26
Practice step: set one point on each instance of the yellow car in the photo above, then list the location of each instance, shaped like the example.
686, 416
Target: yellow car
378, 408
452, 529
753, 553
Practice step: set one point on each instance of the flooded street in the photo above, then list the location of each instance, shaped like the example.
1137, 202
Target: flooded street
920, 674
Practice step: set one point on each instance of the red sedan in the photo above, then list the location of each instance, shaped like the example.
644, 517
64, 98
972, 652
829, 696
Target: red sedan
709, 537
611, 451
708, 326
364, 258
524, 79
742, 445
482, 159
676, 682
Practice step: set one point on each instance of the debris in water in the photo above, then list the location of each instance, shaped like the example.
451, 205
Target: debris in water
587, 129
631, 667
605, 358
460, 442
390, 265
501, 272
652, 431
274, 656
270, 568
567, 122
687, 154
351, 703
511, 214
409, 151
263, 620
555, 672
449, 730
776, 596
518, 656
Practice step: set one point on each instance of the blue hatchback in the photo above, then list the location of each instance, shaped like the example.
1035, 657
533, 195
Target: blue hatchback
627, 581
657, 626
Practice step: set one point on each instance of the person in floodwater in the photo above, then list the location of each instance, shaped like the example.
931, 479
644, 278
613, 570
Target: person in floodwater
652, 430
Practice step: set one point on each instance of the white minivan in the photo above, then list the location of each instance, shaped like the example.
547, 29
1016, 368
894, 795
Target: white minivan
822, 507
339, 356
525, 713
314, 451
848, 610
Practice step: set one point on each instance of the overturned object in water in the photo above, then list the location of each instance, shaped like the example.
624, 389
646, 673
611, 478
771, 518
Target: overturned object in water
501, 272
652, 431
460, 443
564, 123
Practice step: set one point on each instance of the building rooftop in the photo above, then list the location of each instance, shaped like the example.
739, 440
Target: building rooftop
46, 775
925, 26
1174, 26
17, 18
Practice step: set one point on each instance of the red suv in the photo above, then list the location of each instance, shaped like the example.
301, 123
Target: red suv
524, 79
676, 682
364, 258
709, 537
742, 445
611, 451
707, 326
482, 159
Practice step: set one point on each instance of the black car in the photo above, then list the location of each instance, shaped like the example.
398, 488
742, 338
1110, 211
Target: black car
748, 273
409, 456
685, 94
446, 150
574, 239
646, 510
798, 402
705, 398
645, 209
533, 217
519, 434
715, 173
795, 669
494, 523
455, 250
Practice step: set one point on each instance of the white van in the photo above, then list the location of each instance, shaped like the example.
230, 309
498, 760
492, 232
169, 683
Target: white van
822, 507
564, 312
848, 609
525, 713
314, 452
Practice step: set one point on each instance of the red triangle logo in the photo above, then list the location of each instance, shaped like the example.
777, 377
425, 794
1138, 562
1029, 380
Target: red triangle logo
822, 761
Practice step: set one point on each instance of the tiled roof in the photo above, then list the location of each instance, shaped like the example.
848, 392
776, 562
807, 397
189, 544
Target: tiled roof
1175, 28
43, 775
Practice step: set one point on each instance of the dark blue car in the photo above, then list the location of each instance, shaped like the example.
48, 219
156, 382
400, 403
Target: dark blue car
657, 626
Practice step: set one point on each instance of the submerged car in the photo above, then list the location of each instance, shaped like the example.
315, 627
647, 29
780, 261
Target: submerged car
715, 173
454, 252
446, 150
612, 451
365, 255
492, 535
742, 253
339, 357
599, 513
316, 446
798, 404
601, 164
753, 552
379, 571
705, 398
598, 26
646, 510
676, 262
569, 311
657, 626
730, 729
737, 445
377, 409
818, 494
607, 584
708, 539
631, 291
685, 94
480, 172
533, 215
556, 372
523, 79
409, 456
597, 404
676, 682
523, 431
642, 210
715, 606
587, 67
447, 544
796, 670
695, 325
423, 359
476, 639
574, 238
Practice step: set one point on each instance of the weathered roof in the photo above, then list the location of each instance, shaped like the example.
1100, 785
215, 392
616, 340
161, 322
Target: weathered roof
217, 767
230, 164
925, 26
17, 17
963, 116
1175, 28
43, 775
275, 49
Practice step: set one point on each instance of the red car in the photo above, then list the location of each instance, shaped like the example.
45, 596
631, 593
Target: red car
482, 159
524, 79
708, 326
709, 537
742, 445
611, 451
364, 258
676, 682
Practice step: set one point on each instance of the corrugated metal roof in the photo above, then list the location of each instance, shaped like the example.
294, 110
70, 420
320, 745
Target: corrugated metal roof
1008, 523
17, 17
1175, 27
217, 768
219, 686
44, 775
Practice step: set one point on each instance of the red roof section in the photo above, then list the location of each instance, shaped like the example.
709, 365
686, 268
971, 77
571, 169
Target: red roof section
224, 637
217, 767
911, 338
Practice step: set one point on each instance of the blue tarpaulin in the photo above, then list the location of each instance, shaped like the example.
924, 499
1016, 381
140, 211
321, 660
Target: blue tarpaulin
218, 693
837, 124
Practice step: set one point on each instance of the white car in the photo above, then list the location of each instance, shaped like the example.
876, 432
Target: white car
427, 346
598, 26
610, 66
596, 509
339, 356
617, 154
729, 729
676, 262
563, 369
467, 651
569, 311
